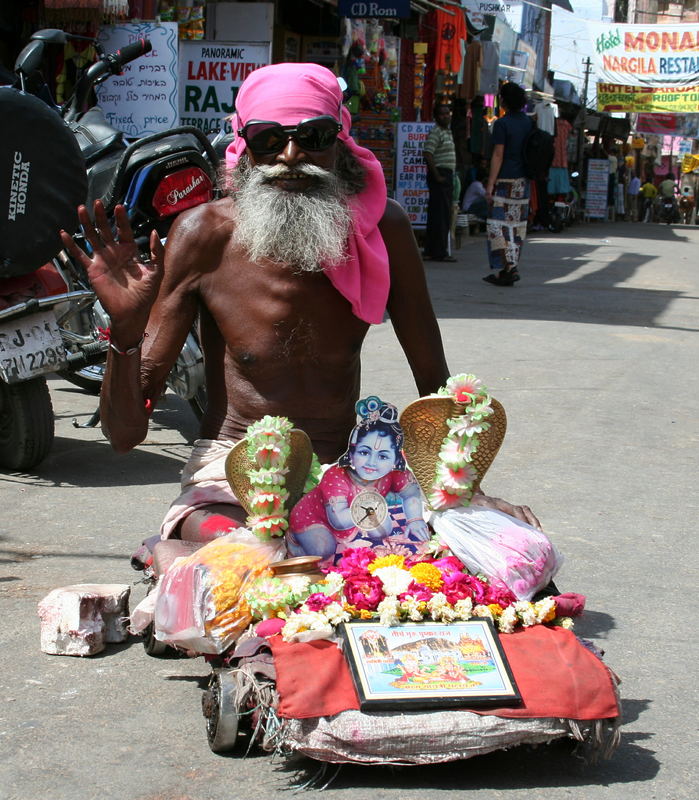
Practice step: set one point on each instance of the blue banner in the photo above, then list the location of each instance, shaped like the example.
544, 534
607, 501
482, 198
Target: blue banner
374, 8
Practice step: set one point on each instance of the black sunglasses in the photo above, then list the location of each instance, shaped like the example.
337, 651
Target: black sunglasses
268, 138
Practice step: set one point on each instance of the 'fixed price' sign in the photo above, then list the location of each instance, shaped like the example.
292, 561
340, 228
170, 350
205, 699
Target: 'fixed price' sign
210, 75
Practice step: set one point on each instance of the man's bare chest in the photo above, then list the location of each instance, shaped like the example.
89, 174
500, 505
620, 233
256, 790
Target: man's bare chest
274, 315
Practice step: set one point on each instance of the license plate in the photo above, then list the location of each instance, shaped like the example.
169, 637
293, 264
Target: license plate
30, 346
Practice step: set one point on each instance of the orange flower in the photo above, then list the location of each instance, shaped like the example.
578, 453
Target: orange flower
428, 575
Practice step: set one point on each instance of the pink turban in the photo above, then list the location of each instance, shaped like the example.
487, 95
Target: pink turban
288, 93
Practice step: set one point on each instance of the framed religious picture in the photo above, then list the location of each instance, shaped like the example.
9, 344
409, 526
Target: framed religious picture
428, 664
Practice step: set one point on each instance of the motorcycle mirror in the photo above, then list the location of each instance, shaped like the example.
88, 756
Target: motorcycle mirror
29, 60
50, 35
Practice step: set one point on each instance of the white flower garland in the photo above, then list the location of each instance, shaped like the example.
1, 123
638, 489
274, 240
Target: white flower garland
269, 448
455, 475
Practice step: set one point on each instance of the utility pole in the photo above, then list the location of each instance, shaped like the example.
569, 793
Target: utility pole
588, 69
581, 136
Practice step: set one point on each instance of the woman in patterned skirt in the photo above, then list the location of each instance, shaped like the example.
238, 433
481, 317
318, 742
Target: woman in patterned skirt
507, 191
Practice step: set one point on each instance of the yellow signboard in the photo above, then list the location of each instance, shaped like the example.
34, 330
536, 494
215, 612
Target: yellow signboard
690, 162
643, 99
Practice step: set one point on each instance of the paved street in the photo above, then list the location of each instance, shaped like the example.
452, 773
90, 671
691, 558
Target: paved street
594, 355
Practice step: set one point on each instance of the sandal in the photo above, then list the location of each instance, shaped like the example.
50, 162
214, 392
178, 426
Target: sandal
503, 278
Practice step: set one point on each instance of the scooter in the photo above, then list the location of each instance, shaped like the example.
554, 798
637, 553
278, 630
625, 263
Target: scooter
46, 302
155, 178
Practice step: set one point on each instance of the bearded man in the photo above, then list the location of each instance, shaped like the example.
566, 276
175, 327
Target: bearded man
286, 272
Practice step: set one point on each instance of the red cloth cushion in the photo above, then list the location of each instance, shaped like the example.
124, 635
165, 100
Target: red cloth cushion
556, 676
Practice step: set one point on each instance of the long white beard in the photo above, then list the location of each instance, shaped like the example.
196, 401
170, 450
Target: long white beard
305, 230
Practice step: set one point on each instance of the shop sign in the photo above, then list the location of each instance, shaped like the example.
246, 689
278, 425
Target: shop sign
646, 55
638, 99
597, 188
510, 11
669, 124
690, 163
210, 75
411, 172
374, 8
685, 146
142, 100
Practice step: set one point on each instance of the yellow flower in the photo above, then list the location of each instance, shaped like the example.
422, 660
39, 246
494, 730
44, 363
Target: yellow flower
364, 613
350, 609
495, 609
392, 560
428, 575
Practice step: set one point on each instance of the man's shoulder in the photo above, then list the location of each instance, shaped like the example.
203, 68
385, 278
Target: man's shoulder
217, 211
207, 222
394, 217
199, 236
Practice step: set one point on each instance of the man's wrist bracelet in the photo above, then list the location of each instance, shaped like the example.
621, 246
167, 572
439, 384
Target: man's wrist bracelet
131, 350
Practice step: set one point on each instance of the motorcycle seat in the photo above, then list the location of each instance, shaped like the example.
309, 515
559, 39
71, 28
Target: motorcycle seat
96, 136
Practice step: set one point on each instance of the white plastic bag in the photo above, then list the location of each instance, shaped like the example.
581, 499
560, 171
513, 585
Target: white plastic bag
505, 550
200, 603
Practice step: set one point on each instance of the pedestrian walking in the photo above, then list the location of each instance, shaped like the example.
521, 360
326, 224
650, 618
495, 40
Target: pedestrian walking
633, 191
507, 191
649, 193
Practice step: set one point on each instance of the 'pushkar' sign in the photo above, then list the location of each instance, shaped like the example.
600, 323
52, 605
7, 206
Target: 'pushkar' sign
646, 55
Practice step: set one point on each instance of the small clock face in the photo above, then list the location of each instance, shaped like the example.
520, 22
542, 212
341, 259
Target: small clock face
368, 510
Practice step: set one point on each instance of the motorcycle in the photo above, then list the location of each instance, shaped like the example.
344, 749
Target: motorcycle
44, 296
668, 210
155, 177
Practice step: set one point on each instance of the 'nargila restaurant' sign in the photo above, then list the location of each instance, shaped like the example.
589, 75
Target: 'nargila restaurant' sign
659, 56
210, 75
640, 99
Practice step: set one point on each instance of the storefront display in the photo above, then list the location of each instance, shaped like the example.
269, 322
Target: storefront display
371, 74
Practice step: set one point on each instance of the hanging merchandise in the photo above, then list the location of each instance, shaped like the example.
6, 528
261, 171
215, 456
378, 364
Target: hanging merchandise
420, 51
374, 34
490, 65
451, 30
371, 73
472, 69
190, 19
355, 66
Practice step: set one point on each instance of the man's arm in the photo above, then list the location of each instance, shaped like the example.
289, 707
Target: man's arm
151, 308
409, 303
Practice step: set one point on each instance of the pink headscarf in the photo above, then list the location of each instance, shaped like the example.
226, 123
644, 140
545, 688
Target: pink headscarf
288, 93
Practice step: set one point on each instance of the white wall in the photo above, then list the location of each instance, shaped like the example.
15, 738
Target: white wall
570, 43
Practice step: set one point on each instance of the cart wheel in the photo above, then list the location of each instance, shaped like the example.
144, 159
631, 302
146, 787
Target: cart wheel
154, 647
219, 708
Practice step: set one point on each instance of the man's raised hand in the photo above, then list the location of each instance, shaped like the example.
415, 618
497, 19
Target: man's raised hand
125, 284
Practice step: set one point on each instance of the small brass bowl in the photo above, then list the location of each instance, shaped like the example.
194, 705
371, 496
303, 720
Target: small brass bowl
299, 567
